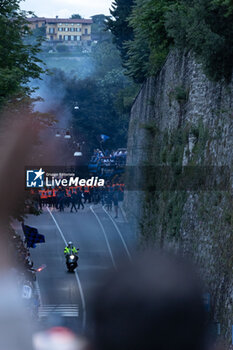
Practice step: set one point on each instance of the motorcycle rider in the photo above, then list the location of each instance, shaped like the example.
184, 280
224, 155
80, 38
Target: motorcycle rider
70, 249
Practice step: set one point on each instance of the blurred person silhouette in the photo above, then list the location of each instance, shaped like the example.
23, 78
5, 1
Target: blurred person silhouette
155, 303
59, 338
15, 322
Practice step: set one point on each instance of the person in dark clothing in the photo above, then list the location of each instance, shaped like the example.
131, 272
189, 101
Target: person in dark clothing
73, 200
95, 195
108, 200
80, 199
102, 195
58, 197
62, 197
115, 198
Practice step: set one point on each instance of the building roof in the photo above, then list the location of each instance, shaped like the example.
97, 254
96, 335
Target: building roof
60, 20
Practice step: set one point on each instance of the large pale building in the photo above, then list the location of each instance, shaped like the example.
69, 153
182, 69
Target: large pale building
60, 30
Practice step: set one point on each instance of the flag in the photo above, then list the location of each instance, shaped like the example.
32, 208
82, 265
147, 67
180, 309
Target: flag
104, 137
32, 236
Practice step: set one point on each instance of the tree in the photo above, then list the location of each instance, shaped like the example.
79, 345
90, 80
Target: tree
18, 59
203, 27
76, 16
119, 25
99, 29
150, 45
105, 57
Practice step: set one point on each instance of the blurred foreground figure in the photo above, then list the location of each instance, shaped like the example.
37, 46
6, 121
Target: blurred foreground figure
58, 338
15, 325
155, 303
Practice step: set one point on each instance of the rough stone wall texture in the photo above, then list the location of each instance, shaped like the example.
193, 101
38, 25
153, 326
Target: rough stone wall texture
181, 106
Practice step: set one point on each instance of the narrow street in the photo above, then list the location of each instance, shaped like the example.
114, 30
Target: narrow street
102, 241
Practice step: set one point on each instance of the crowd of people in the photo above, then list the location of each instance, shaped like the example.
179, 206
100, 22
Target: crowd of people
120, 152
75, 198
101, 161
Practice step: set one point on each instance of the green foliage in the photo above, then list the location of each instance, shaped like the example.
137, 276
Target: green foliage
99, 30
105, 57
180, 94
76, 16
125, 98
151, 127
104, 97
36, 36
166, 179
119, 26
203, 26
150, 46
18, 59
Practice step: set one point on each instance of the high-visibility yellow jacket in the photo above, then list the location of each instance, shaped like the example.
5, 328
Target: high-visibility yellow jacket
68, 250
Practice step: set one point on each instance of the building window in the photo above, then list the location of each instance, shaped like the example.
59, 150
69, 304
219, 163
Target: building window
72, 29
72, 38
78, 38
60, 29
51, 37
66, 37
86, 31
69, 37
36, 25
51, 30
60, 24
66, 29
71, 24
60, 37
75, 37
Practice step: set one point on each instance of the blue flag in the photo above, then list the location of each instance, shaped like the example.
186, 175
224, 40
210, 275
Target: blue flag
32, 236
104, 137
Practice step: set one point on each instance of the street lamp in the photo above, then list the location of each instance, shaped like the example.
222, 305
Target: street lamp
78, 153
67, 135
76, 106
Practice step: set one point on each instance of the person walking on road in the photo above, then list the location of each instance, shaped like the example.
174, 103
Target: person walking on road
73, 200
80, 199
108, 200
115, 198
62, 197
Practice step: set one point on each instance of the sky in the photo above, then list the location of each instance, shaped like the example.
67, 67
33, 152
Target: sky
65, 8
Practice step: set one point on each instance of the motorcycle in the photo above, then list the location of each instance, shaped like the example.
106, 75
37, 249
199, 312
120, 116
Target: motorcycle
71, 262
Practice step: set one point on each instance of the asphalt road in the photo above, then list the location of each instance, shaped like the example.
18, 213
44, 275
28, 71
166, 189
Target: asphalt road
103, 242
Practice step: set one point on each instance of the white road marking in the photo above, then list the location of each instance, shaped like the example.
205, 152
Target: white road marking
105, 236
62, 310
121, 237
76, 274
